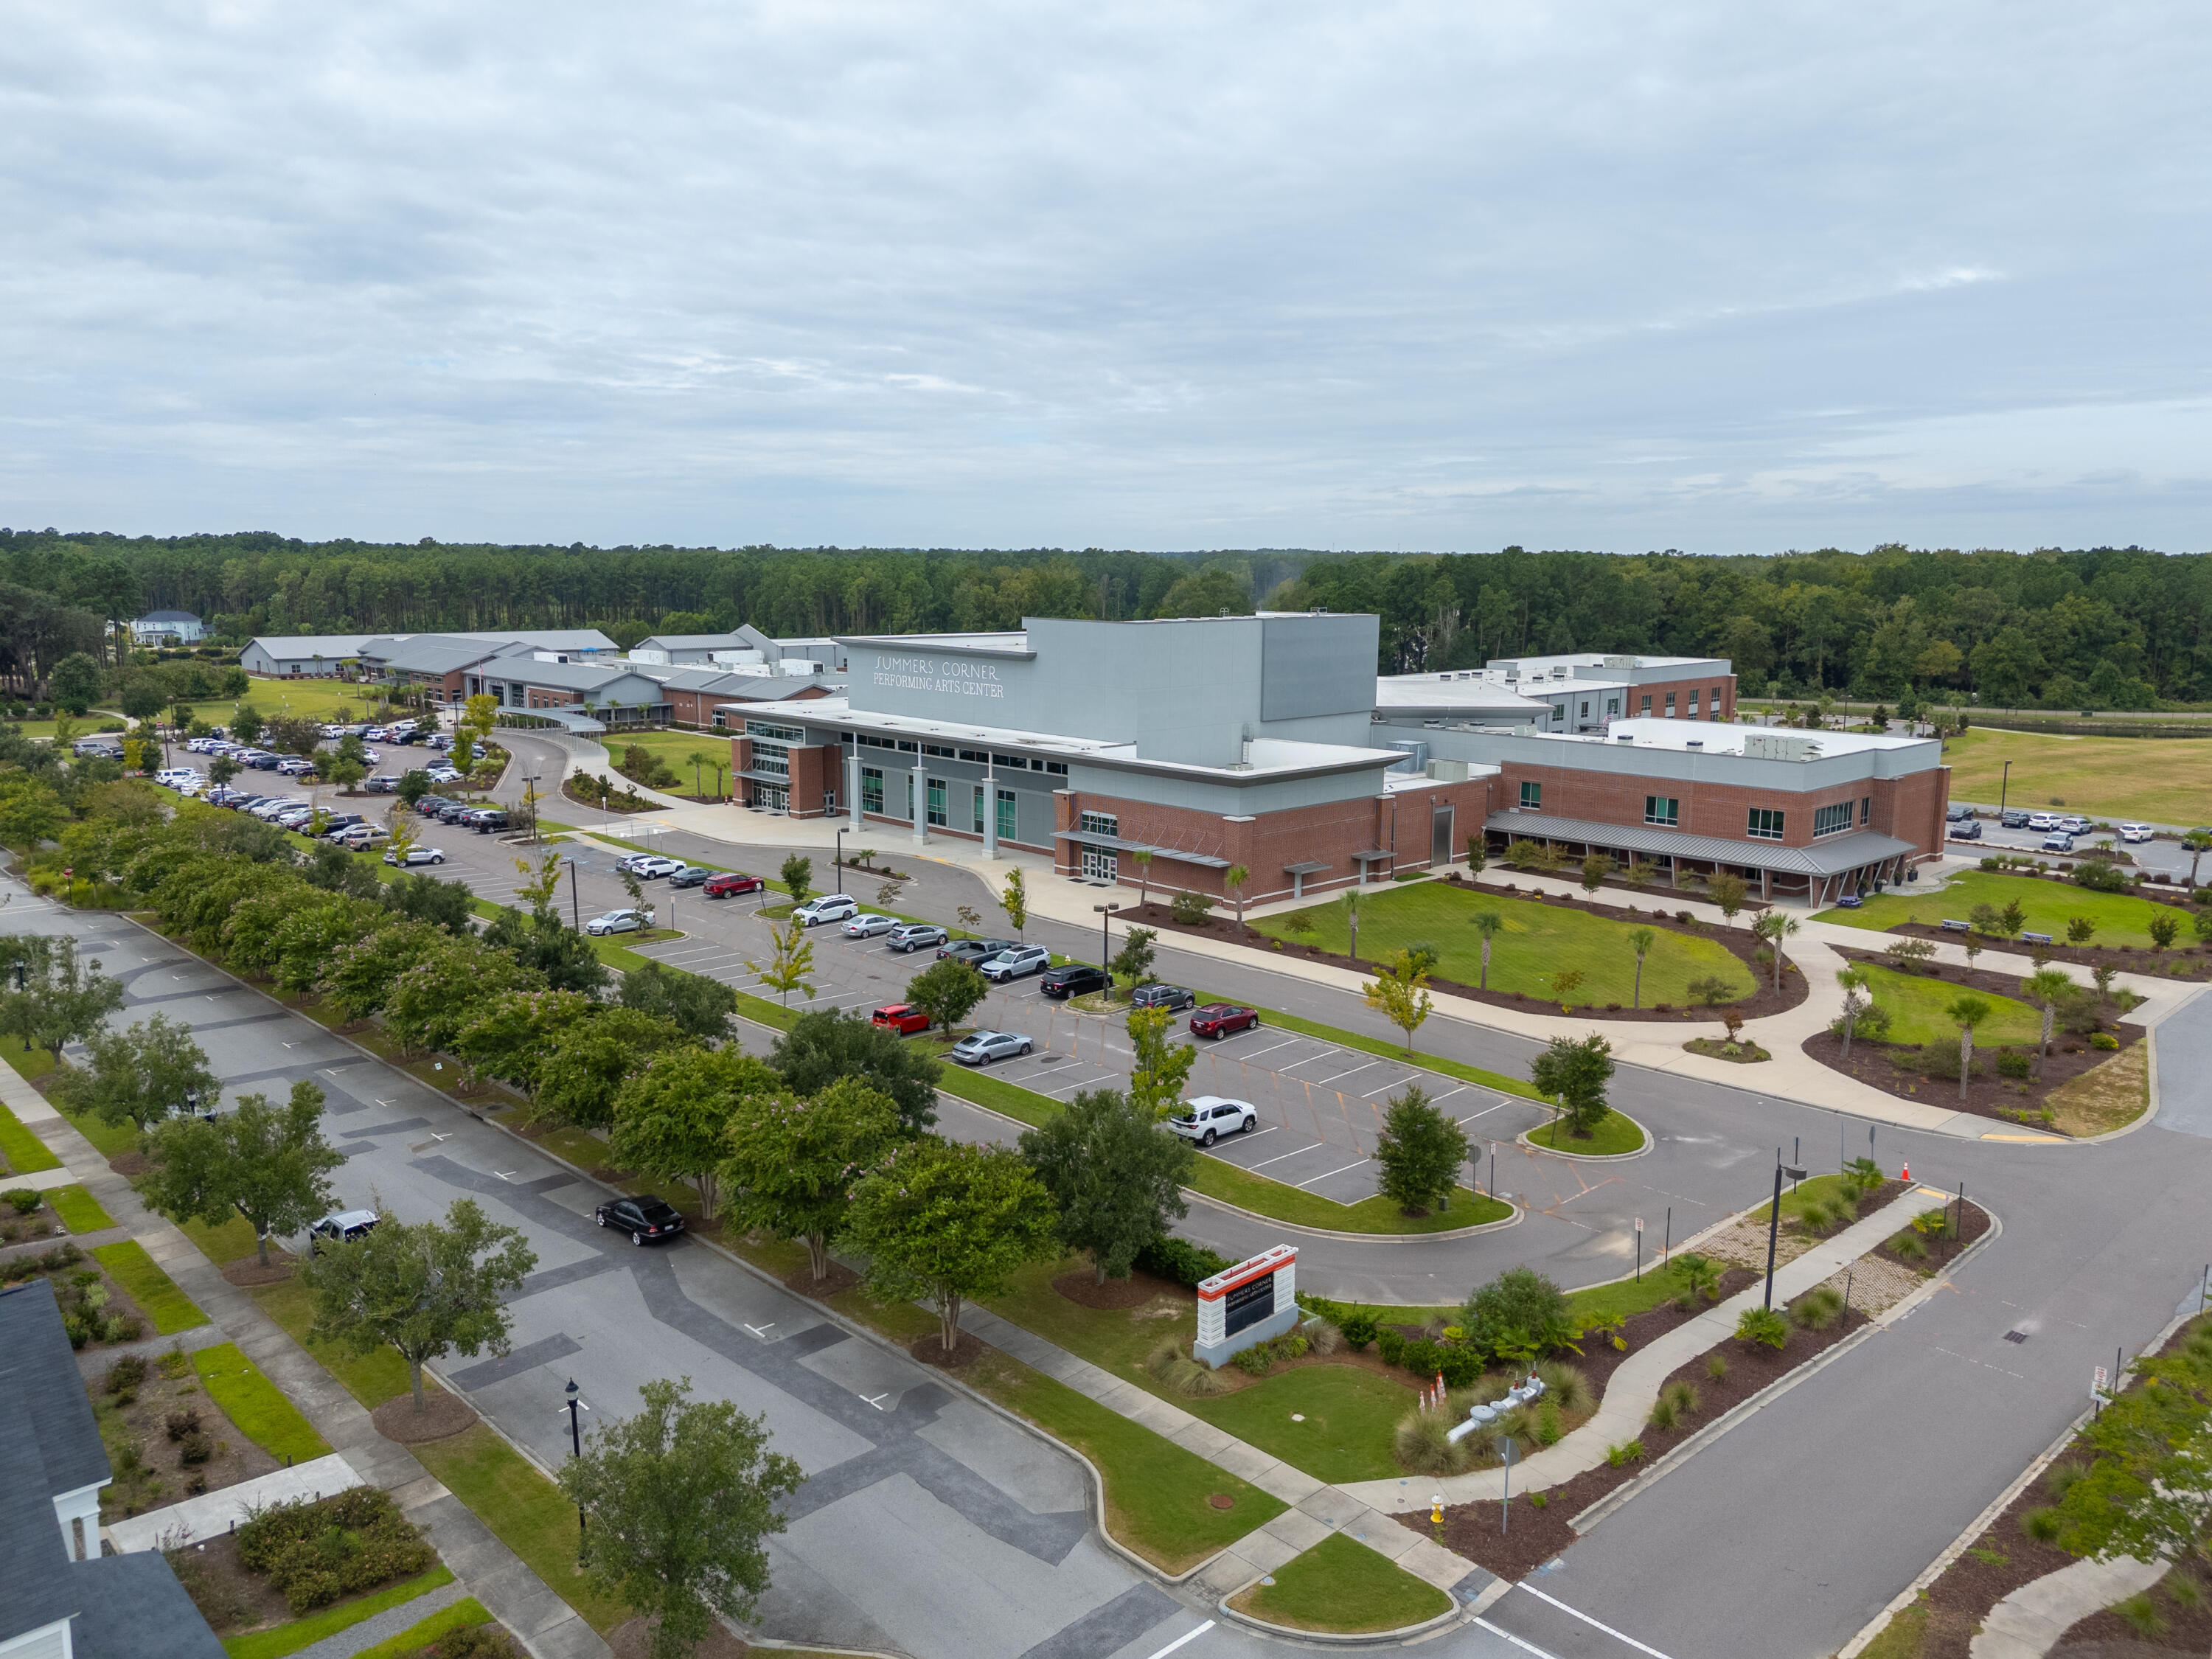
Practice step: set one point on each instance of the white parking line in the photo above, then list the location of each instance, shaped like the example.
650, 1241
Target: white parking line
1387, 1087
1526, 1647
1333, 1076
1287, 1043
1187, 1636
1326, 1054
1279, 1159
1335, 1172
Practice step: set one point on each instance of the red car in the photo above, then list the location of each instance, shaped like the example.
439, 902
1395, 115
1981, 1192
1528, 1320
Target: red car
1219, 1019
731, 882
901, 1018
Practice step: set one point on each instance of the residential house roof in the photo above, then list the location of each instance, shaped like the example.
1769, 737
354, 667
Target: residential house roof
165, 616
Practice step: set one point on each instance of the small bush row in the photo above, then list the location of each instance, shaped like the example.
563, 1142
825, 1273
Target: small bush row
315, 1551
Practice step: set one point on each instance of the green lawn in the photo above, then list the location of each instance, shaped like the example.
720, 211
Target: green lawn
1600, 1304
233, 1241
1538, 940
527, 1511
371, 1378
677, 748
279, 1640
259, 1408
108, 1140
1156, 1493
2121, 918
1819, 1189
30, 1064
1616, 1132
419, 1635
1915, 1004
153, 1291
79, 1210
1340, 1584
25, 1152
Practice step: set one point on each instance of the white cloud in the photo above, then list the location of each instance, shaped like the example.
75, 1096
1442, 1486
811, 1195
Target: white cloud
1720, 277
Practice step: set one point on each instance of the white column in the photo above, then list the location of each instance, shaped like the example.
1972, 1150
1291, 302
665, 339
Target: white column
853, 787
920, 804
990, 813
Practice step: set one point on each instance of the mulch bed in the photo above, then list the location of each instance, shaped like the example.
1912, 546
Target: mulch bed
2003, 1559
930, 1351
231, 1599
2018, 1101
247, 1272
1514, 1547
1737, 940
2195, 960
1116, 1295
167, 1478
633, 1639
2188, 1629
1942, 1251
836, 1281
442, 1416
130, 1165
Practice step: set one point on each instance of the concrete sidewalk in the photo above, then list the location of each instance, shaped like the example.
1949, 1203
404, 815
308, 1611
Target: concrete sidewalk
1634, 1386
2027, 1624
216, 1512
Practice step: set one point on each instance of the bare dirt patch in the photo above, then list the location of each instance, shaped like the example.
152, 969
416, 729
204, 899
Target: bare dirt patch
247, 1272
930, 1351
2104, 1098
633, 1639
442, 1415
835, 1282
1115, 1295
155, 1469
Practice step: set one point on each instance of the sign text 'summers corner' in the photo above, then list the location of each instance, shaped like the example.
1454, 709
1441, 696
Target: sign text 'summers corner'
949, 676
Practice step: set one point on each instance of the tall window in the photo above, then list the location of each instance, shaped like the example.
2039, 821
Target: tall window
977, 798
1827, 820
1532, 796
1693, 705
1716, 702
1670, 705
1766, 824
1006, 816
872, 789
1866, 810
1612, 707
1662, 810
1646, 710
937, 802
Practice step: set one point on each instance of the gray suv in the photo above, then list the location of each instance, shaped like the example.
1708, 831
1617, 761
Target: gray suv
913, 935
1170, 997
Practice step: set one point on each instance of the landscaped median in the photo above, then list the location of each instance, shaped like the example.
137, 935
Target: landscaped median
1615, 1135
1340, 1587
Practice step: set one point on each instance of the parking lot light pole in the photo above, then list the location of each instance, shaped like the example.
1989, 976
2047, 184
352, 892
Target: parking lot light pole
1774, 1216
837, 865
576, 904
1106, 944
530, 802
2004, 784
576, 1450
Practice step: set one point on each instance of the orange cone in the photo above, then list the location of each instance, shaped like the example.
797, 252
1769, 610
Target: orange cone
1907, 1176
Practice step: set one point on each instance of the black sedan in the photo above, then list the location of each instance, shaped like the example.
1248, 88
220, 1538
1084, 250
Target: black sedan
1073, 979
645, 1218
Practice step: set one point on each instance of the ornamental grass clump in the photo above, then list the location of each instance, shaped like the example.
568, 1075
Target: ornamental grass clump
1423, 1445
1178, 1373
1819, 1307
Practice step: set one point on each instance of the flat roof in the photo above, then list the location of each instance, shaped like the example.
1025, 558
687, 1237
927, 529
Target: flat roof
1716, 737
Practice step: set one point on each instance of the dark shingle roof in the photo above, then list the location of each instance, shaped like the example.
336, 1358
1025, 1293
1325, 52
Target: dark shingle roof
39, 1379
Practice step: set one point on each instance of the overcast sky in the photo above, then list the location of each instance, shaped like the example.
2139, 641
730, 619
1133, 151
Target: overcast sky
1726, 278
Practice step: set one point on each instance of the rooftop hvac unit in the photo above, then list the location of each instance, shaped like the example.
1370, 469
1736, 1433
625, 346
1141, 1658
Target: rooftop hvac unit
1620, 662
1415, 751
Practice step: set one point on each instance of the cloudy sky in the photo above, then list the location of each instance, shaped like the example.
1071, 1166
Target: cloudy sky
1718, 278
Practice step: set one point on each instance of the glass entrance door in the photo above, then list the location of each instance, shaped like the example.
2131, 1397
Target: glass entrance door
1099, 865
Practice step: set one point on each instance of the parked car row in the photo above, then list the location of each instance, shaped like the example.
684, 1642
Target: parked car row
469, 815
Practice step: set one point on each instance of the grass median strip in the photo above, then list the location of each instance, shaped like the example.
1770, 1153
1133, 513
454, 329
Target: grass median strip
259, 1408
1341, 1585
1389, 1050
79, 1210
283, 1639
1614, 1133
145, 1283
24, 1151
460, 1616
506, 1491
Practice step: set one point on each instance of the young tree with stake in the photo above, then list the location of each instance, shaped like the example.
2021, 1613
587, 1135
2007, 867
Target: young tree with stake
1159, 1072
1015, 901
1400, 993
798, 873
1966, 1012
1853, 983
1134, 959
792, 965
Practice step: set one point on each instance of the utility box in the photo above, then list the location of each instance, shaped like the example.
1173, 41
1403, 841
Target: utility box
1249, 1303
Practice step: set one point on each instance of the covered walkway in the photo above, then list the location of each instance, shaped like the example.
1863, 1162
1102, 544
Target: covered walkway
1819, 873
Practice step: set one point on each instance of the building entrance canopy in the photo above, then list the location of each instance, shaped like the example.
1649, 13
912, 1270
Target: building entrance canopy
1826, 858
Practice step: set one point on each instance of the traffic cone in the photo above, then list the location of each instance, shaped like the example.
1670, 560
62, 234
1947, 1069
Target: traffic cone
1907, 1176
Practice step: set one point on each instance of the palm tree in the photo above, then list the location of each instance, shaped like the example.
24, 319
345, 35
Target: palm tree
1142, 857
1641, 942
1491, 923
1966, 1012
700, 759
2047, 988
1854, 981
1773, 928
1349, 903
2198, 842
1234, 879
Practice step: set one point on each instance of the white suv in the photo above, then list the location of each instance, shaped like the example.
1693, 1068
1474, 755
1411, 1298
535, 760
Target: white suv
1212, 1116
2134, 832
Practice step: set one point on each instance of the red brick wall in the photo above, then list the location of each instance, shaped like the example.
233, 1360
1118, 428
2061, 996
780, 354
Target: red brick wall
1632, 704
813, 774
741, 756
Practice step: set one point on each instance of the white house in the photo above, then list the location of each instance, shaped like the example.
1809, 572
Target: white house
167, 628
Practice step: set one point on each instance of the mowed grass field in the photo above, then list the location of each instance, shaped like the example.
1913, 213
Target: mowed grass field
1915, 1010
1538, 941
677, 748
2163, 780
2121, 918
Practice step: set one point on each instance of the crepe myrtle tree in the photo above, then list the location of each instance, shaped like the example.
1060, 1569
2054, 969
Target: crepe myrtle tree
1400, 993
948, 991
1419, 1153
427, 1288
1574, 1071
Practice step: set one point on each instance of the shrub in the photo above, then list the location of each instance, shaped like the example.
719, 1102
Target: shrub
1563, 1386
1460, 1366
1929, 1222
180, 1424
316, 1551
1517, 1316
1359, 1329
1624, 1453
174, 1363
1191, 908
1908, 1248
2041, 1525
1763, 1325
1422, 1357
1423, 1447
2142, 1612
1716, 1366
1178, 1373
1256, 1360
1391, 1345
1819, 1307
1291, 1346
1662, 1414
476, 1642
22, 1199
2012, 1063
1682, 1397
125, 1374
1537, 1500
1179, 1260
195, 1449
2104, 1041
1547, 1425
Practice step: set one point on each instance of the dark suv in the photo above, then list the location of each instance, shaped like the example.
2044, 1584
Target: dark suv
485, 819
1162, 996
1073, 979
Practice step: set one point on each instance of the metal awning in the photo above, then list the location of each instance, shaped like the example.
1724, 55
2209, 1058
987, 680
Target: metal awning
1373, 853
1305, 868
1824, 858
583, 724
783, 778
1122, 844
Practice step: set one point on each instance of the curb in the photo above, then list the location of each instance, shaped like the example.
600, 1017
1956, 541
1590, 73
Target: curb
1650, 1140
1450, 1615
1997, 1505
1743, 1410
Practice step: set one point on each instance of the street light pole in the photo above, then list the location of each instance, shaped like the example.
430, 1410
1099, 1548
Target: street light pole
1774, 1216
530, 802
1106, 944
576, 904
837, 865
576, 1450
2004, 784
